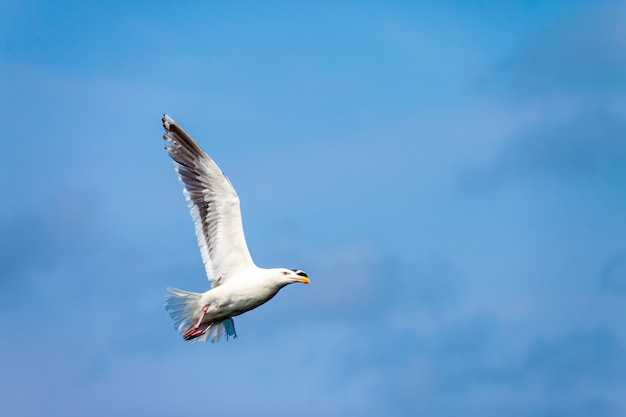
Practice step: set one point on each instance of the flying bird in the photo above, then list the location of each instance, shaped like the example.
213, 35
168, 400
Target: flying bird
237, 284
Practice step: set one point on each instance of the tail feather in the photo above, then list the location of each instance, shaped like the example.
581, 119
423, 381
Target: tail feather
183, 306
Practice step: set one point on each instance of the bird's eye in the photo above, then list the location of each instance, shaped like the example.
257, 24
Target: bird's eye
285, 272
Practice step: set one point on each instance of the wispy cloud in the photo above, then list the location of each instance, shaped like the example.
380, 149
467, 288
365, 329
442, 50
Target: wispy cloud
570, 79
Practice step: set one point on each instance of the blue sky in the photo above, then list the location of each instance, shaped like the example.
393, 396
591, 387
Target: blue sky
450, 174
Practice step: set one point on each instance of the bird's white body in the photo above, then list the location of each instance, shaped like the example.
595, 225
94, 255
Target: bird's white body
256, 287
238, 284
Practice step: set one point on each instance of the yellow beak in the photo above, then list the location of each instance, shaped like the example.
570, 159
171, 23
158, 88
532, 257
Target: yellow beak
303, 280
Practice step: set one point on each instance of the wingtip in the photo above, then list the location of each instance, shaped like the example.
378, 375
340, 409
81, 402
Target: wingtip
167, 121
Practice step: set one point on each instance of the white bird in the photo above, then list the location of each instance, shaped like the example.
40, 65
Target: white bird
238, 285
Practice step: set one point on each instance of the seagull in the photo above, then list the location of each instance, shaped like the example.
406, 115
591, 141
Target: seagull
237, 284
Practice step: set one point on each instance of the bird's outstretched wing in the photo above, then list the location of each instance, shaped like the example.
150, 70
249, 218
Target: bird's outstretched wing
213, 203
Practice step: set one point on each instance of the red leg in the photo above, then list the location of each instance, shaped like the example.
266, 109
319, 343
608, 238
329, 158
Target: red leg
193, 331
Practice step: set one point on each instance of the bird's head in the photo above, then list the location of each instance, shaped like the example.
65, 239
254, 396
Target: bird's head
289, 276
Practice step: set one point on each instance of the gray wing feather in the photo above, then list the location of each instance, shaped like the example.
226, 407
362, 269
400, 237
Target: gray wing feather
213, 203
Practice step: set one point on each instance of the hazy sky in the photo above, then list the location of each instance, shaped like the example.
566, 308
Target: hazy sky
451, 175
